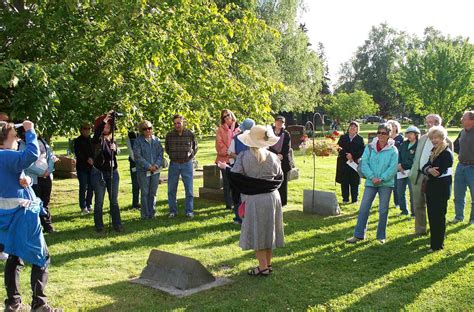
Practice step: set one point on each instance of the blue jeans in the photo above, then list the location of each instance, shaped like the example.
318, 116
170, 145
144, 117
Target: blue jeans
186, 172
135, 188
401, 189
148, 188
367, 200
101, 182
463, 179
85, 188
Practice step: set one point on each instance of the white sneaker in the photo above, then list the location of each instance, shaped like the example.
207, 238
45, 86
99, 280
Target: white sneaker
3, 256
190, 215
172, 215
84, 211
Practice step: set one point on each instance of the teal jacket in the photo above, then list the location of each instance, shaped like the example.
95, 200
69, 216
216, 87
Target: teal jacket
382, 165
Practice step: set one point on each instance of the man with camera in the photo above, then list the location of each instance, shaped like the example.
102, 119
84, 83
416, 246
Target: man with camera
104, 173
20, 228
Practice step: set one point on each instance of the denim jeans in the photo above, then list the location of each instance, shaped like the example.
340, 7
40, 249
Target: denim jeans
101, 182
85, 188
227, 190
185, 170
367, 200
395, 193
135, 189
148, 188
401, 191
463, 179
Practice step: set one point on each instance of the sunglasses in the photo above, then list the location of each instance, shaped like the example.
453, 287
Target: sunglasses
147, 128
225, 116
382, 132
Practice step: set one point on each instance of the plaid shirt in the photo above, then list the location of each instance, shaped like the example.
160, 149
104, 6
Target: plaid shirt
181, 148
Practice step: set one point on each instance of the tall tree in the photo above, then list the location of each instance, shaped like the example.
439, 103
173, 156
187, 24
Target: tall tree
438, 77
347, 106
374, 62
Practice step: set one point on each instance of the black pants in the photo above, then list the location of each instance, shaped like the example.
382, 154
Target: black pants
345, 191
283, 190
39, 278
437, 205
43, 190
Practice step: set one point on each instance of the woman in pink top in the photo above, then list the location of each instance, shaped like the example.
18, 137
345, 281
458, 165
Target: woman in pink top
224, 135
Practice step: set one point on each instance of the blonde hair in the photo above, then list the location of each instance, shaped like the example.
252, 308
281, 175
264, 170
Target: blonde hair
394, 124
259, 153
441, 133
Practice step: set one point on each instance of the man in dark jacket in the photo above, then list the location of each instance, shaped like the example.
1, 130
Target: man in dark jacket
84, 151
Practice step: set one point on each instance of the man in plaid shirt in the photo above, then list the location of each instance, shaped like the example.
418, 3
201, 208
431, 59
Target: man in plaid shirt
181, 147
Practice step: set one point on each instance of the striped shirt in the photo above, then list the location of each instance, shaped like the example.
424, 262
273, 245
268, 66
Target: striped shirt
181, 148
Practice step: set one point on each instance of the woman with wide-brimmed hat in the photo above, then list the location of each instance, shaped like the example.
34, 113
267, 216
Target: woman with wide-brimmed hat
257, 175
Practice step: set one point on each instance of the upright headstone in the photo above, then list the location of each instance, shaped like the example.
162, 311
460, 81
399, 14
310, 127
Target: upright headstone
212, 184
321, 203
296, 132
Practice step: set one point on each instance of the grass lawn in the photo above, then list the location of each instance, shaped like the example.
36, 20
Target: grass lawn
316, 270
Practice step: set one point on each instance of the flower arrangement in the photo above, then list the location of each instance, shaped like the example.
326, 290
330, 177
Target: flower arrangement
325, 147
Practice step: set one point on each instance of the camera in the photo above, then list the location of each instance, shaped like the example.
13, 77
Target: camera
116, 114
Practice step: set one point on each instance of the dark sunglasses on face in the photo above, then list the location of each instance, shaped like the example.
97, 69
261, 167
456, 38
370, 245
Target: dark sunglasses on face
382, 132
225, 116
147, 128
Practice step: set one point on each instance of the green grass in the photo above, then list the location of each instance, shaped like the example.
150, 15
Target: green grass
316, 270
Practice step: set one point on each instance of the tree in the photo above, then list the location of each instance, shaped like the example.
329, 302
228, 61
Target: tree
375, 61
347, 106
438, 78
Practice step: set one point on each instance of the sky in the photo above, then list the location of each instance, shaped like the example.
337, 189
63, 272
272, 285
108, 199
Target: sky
344, 25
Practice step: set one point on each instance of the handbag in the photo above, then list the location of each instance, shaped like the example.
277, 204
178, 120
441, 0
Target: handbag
241, 210
359, 166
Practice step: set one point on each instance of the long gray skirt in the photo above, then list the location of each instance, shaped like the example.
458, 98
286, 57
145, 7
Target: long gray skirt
262, 226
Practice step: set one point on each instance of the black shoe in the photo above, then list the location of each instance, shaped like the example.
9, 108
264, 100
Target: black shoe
99, 230
17, 307
49, 230
118, 228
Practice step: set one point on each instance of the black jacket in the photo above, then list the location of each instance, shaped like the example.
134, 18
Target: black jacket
104, 157
285, 150
83, 149
344, 173
440, 187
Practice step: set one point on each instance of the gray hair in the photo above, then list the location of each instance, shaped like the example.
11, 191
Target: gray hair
386, 126
436, 117
396, 124
470, 114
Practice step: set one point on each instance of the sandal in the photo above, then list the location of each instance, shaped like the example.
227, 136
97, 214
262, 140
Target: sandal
257, 272
270, 268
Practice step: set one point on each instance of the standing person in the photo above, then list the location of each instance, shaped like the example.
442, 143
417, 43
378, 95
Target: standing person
20, 229
464, 176
148, 155
379, 165
438, 186
41, 173
3, 255
351, 146
132, 136
406, 154
257, 174
84, 151
235, 148
282, 150
181, 147
397, 136
422, 155
224, 135
4, 117
104, 174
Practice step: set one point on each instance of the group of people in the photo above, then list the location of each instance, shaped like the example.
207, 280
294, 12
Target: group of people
96, 164
423, 164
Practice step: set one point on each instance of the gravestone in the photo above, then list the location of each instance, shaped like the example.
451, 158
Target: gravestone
212, 184
176, 275
325, 203
296, 132
371, 136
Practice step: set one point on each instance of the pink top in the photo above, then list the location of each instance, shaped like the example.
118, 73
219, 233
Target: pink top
224, 136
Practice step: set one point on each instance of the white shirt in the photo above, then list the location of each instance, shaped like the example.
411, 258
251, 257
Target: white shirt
425, 154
